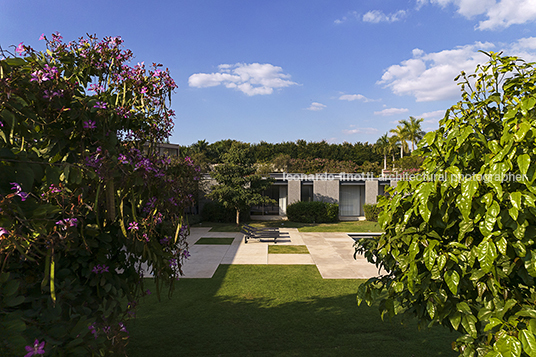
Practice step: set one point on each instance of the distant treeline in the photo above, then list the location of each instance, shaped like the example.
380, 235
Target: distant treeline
264, 152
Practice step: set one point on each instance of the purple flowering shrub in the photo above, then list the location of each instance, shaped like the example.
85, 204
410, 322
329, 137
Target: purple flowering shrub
85, 201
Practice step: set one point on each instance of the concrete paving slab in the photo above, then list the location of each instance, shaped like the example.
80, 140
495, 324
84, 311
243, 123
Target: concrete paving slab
199, 271
332, 253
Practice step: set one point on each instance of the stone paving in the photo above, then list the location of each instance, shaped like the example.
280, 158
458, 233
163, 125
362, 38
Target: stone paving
332, 253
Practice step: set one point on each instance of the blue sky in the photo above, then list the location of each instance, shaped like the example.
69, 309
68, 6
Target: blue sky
284, 70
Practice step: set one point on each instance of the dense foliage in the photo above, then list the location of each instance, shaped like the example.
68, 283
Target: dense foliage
459, 247
372, 212
238, 186
84, 201
264, 152
313, 212
215, 211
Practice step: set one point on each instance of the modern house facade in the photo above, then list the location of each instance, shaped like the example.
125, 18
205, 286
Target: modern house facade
350, 191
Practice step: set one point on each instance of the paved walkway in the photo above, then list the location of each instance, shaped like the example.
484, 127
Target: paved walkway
332, 253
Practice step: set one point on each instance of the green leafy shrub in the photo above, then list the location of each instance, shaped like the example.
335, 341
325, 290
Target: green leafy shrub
313, 212
84, 198
372, 211
215, 211
459, 247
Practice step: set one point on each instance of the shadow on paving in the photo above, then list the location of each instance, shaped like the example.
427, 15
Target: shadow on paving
274, 311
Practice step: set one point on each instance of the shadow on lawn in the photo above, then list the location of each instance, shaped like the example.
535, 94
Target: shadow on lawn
259, 314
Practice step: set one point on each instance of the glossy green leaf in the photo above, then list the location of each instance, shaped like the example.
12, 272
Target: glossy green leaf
455, 319
452, 278
508, 346
528, 341
521, 131
515, 199
487, 253
523, 161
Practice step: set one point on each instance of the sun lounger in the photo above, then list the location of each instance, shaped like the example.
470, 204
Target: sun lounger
259, 233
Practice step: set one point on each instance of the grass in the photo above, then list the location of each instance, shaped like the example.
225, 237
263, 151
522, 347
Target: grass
344, 226
287, 249
215, 241
278, 310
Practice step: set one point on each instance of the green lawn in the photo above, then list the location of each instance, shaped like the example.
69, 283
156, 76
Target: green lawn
288, 249
346, 226
278, 310
215, 241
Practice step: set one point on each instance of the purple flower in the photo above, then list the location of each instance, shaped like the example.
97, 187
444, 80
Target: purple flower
100, 105
172, 262
19, 49
93, 330
146, 237
123, 328
42, 37
186, 254
133, 226
148, 292
54, 189
67, 222
23, 195
3, 231
100, 269
96, 88
90, 125
36, 349
122, 159
15, 186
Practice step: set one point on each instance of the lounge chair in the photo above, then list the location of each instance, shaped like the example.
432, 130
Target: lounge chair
259, 233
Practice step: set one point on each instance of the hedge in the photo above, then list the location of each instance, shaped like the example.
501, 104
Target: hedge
372, 211
313, 212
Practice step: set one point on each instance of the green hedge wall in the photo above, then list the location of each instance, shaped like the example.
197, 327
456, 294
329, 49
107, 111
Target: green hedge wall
372, 212
313, 212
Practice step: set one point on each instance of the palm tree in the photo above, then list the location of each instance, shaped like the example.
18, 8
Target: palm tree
413, 130
401, 137
394, 146
382, 147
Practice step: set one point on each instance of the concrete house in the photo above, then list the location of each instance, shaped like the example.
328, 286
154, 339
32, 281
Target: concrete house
350, 191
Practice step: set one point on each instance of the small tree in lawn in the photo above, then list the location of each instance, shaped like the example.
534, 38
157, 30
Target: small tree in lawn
460, 250
239, 187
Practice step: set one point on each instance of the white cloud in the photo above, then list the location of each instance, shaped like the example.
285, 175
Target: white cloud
251, 79
391, 111
351, 14
430, 77
360, 131
500, 14
315, 106
352, 97
432, 117
376, 16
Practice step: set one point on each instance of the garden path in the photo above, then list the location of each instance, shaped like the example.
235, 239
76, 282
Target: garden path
332, 253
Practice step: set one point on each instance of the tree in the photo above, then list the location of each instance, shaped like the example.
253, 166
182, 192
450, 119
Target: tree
401, 136
84, 200
239, 187
459, 248
382, 147
413, 130
393, 147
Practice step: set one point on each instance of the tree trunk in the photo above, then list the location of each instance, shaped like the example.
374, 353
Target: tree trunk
401, 150
237, 217
385, 161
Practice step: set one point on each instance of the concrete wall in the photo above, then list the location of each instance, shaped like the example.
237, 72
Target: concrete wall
371, 192
294, 191
326, 191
